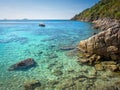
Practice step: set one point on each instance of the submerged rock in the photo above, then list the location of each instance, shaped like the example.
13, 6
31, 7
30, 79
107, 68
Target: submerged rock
73, 52
25, 64
32, 85
99, 67
111, 65
115, 86
57, 72
66, 48
52, 56
53, 82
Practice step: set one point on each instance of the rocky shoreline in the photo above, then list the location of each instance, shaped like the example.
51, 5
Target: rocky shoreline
106, 23
103, 49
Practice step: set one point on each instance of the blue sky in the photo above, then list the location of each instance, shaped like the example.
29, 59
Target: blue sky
42, 9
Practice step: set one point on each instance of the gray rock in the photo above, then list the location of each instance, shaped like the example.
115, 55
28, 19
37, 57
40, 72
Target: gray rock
66, 48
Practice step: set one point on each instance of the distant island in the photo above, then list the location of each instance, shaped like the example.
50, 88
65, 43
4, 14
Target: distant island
103, 49
5, 19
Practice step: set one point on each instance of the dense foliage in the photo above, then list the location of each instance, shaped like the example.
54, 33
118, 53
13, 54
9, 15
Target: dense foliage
103, 9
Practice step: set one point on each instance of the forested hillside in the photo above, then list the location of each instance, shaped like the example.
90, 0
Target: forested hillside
103, 9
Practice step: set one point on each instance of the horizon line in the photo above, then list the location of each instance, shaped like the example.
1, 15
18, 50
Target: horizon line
34, 19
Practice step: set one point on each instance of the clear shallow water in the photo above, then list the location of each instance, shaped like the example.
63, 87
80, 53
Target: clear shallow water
20, 40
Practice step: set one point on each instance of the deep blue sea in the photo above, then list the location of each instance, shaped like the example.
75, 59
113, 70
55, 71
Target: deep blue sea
22, 39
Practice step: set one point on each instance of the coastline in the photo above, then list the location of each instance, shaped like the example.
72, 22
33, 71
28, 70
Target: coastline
58, 66
52, 49
104, 46
102, 50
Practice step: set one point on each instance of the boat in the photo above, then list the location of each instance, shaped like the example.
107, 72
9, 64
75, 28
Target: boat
42, 25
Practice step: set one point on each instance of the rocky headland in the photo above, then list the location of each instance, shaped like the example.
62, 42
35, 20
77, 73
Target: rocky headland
104, 46
103, 49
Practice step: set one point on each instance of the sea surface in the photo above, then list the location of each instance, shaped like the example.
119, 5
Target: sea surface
56, 69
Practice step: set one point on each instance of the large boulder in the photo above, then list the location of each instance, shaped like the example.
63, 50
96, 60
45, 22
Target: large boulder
105, 44
23, 65
102, 47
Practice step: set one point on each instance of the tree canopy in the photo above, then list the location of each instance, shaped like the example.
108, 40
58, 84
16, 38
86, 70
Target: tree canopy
103, 9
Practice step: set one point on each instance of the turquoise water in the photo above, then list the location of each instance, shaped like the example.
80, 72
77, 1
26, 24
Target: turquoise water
20, 40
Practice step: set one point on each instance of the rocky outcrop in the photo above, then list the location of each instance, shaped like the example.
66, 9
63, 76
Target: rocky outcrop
107, 65
23, 65
106, 23
105, 45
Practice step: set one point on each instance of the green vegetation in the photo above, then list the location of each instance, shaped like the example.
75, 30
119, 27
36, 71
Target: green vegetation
103, 9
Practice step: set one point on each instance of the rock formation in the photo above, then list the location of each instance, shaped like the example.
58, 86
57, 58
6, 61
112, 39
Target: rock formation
106, 23
25, 64
67, 48
105, 45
